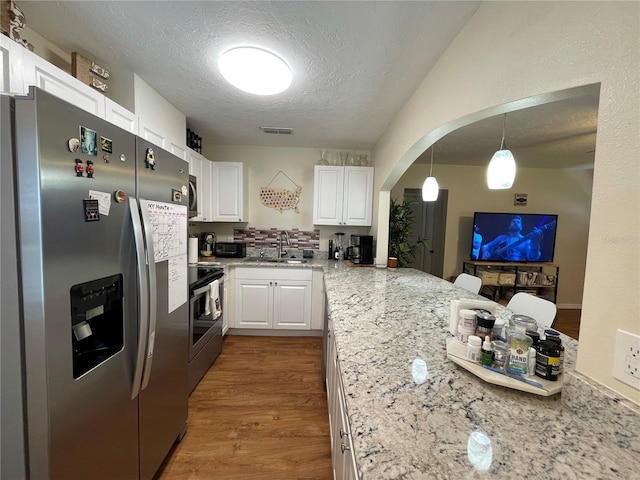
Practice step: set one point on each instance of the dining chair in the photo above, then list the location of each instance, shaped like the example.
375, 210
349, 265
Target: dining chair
468, 282
542, 310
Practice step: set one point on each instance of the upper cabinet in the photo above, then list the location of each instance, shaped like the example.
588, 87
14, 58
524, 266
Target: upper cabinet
30, 69
155, 120
11, 54
342, 195
120, 116
220, 189
159, 122
227, 189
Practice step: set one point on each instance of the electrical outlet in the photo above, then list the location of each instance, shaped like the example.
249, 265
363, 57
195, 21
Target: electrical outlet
626, 362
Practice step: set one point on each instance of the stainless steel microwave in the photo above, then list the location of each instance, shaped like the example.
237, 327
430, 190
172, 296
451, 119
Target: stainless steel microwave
193, 196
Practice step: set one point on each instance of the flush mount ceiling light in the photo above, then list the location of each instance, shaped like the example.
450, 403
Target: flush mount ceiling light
502, 167
430, 188
255, 71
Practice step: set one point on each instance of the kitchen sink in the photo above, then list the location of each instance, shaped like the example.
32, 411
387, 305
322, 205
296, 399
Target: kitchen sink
275, 260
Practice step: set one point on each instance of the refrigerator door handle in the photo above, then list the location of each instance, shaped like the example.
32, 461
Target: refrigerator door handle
143, 295
147, 231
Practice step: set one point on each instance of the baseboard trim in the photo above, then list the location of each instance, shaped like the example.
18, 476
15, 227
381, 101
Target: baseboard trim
259, 332
569, 306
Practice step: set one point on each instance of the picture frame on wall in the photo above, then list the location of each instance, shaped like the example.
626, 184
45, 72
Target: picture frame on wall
520, 199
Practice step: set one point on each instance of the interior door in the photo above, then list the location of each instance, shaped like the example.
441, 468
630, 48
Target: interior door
430, 222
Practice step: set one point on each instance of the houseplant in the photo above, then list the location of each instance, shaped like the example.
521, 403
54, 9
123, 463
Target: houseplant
401, 224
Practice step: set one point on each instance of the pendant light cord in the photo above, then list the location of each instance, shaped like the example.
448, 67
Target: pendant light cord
504, 127
431, 169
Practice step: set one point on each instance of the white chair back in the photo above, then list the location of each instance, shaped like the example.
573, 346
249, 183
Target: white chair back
468, 282
542, 310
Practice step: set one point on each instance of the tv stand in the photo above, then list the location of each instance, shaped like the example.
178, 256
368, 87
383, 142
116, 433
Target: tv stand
502, 280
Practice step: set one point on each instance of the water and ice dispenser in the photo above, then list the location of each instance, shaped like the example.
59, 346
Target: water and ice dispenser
97, 322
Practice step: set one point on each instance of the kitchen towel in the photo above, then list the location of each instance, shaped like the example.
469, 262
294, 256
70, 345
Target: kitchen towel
215, 306
192, 250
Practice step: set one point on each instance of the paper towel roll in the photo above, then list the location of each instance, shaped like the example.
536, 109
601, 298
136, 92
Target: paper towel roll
192, 249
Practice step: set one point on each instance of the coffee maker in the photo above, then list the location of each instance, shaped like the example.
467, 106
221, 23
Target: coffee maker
361, 250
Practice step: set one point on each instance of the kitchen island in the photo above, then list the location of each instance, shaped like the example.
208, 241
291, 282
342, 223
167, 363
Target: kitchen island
407, 427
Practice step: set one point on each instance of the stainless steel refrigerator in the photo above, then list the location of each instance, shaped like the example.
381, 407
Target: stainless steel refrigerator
94, 337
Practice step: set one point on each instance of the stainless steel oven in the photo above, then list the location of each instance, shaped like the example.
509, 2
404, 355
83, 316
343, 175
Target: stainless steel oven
205, 326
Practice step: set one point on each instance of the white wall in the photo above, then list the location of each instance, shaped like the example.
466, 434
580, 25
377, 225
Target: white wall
565, 192
514, 50
261, 165
152, 107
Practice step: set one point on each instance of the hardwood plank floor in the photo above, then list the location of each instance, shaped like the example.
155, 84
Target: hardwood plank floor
259, 413
568, 322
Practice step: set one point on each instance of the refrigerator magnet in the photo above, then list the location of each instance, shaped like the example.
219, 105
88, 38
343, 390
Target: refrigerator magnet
73, 144
88, 141
78, 168
106, 145
150, 159
89, 169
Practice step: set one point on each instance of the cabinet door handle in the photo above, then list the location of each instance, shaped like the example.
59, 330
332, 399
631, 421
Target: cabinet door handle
276, 284
271, 284
344, 448
343, 433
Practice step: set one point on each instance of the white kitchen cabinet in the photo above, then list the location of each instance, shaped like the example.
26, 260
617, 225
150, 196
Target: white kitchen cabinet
342, 195
179, 151
152, 133
120, 116
227, 189
273, 298
48, 77
201, 168
11, 58
342, 455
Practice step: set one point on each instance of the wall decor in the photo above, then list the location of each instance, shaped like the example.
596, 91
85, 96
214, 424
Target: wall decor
87, 71
520, 199
194, 141
12, 23
280, 198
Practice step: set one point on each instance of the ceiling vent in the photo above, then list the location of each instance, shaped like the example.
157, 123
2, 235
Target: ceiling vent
279, 130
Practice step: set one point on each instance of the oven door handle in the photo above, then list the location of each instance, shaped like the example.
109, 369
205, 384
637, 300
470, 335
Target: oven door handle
201, 290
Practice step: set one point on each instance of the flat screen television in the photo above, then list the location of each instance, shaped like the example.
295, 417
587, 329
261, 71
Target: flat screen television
514, 237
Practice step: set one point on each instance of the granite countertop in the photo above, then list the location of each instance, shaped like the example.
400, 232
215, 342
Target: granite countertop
418, 428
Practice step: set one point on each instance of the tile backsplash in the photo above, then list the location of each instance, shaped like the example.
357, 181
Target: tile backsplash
268, 237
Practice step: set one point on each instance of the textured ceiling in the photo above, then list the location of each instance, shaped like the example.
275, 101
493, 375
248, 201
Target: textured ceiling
354, 65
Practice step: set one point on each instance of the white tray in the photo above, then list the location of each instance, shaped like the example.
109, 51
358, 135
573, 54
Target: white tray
457, 353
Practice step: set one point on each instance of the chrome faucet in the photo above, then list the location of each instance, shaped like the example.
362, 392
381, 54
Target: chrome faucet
282, 251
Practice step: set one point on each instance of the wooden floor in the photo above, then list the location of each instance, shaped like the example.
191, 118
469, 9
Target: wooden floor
568, 322
259, 413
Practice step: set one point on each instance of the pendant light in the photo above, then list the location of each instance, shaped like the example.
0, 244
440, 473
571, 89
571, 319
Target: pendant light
430, 188
502, 167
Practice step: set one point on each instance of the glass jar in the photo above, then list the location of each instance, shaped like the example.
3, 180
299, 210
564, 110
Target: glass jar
529, 323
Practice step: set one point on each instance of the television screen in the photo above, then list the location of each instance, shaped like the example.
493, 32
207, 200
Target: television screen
513, 237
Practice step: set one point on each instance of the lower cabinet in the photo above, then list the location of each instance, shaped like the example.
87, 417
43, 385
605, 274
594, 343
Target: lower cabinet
273, 298
342, 455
